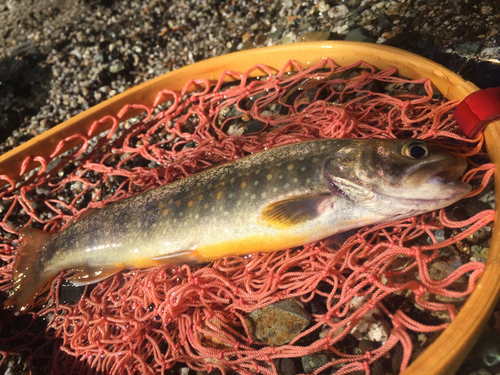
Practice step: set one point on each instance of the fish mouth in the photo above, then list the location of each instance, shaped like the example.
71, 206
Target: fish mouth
446, 172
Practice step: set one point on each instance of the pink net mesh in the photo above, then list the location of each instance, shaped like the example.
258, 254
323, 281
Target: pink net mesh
147, 321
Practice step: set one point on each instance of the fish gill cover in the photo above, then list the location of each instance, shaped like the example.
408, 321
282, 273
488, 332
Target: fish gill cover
153, 321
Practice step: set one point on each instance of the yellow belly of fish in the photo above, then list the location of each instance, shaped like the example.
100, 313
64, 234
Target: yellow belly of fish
255, 243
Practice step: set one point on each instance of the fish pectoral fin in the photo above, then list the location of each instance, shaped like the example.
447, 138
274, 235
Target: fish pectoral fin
292, 211
89, 275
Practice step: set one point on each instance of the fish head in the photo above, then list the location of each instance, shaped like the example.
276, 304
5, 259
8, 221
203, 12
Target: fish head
421, 176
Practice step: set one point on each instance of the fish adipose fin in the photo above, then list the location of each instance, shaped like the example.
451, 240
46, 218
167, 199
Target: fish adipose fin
89, 275
26, 274
292, 211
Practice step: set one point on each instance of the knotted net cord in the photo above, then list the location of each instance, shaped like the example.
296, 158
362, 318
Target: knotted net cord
147, 321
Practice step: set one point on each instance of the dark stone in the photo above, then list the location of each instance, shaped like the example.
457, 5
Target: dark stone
286, 366
474, 206
383, 22
70, 293
254, 127
359, 35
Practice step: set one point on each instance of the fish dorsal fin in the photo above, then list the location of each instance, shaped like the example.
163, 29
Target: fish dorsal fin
88, 275
289, 212
352, 190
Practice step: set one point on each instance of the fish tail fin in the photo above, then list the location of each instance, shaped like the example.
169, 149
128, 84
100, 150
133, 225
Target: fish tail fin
26, 273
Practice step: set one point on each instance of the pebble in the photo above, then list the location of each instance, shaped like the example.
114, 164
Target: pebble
312, 362
280, 322
338, 11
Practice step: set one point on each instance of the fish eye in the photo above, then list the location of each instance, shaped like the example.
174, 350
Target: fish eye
416, 150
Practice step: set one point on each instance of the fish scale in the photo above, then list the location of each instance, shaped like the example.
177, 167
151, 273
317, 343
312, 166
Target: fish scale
273, 200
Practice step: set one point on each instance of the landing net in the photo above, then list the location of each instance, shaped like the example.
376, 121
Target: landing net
150, 321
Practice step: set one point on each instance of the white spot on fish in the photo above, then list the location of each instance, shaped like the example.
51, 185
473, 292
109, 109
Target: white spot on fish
290, 167
280, 176
295, 180
279, 164
269, 176
301, 158
238, 203
230, 195
256, 182
197, 217
286, 186
181, 214
303, 169
308, 180
263, 195
275, 189
253, 196
246, 193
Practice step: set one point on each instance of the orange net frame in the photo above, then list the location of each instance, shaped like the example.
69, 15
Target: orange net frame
147, 321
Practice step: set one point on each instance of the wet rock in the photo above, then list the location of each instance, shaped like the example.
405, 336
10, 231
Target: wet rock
280, 322
314, 361
359, 35
312, 36
486, 353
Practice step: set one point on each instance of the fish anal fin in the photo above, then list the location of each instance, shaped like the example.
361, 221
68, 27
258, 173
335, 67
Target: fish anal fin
26, 273
294, 211
179, 257
88, 275
87, 212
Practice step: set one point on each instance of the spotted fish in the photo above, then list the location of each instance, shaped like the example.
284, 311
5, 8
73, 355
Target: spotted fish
269, 201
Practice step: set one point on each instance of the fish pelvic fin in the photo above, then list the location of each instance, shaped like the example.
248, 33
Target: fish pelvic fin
26, 275
290, 212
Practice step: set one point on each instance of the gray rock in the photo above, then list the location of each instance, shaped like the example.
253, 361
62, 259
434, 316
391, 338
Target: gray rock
280, 322
491, 54
359, 35
314, 361
467, 49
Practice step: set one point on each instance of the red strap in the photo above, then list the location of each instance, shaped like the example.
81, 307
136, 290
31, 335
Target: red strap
477, 110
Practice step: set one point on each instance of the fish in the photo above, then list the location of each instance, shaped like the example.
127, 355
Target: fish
268, 201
